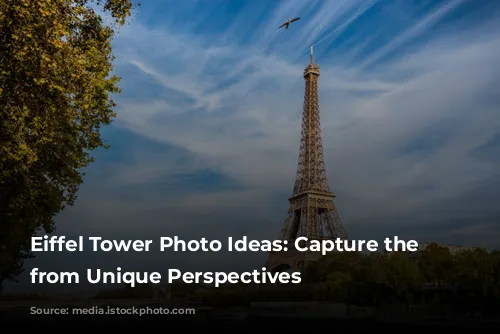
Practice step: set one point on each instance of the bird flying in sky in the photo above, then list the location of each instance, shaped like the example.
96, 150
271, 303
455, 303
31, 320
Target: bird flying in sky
287, 23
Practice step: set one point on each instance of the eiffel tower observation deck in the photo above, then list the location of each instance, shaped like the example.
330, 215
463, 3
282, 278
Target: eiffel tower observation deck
312, 212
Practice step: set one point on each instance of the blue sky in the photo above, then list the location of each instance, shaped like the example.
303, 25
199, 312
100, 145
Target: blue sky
207, 135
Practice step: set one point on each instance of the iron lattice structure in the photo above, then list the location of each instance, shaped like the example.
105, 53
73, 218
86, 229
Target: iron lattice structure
312, 212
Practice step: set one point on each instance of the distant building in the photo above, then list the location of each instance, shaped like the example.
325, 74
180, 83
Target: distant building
454, 249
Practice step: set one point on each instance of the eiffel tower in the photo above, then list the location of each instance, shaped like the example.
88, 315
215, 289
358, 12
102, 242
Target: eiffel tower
312, 213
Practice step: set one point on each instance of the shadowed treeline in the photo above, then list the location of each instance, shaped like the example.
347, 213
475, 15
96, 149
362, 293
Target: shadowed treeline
429, 288
431, 277
434, 276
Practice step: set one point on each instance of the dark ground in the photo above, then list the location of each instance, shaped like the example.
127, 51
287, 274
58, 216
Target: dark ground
249, 325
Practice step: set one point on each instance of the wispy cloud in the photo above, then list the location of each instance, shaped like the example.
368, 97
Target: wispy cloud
367, 116
363, 7
401, 138
404, 107
417, 29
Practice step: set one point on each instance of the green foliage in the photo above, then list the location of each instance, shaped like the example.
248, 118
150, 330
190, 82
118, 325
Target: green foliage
55, 94
127, 292
437, 264
470, 277
477, 271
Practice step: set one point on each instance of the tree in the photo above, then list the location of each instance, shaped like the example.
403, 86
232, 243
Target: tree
334, 262
55, 94
475, 271
436, 264
401, 274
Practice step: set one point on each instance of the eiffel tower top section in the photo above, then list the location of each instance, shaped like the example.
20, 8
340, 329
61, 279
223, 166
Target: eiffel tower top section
311, 68
311, 173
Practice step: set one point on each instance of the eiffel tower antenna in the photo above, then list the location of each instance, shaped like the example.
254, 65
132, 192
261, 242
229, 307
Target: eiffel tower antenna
312, 213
